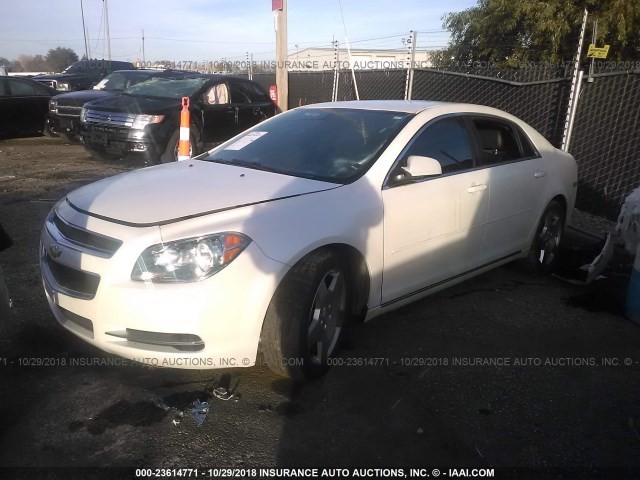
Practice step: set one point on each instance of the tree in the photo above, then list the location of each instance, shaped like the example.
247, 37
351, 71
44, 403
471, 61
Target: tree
60, 58
511, 31
33, 63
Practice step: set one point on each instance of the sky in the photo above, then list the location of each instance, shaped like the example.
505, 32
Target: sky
209, 30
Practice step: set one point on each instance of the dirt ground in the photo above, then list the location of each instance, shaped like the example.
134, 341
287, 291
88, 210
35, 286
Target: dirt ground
533, 377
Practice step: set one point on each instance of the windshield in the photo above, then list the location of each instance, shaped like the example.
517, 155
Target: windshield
116, 81
333, 145
167, 87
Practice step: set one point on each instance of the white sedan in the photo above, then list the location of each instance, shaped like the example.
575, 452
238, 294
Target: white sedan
274, 240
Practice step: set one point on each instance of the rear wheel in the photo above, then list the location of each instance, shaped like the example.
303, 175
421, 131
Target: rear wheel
545, 248
306, 317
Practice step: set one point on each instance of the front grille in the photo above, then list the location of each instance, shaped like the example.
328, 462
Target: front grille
68, 111
77, 282
101, 244
115, 119
183, 342
77, 319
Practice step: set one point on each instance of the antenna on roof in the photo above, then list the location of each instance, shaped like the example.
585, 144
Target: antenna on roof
353, 73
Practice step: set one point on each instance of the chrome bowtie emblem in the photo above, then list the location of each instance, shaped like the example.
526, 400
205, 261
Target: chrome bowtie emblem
54, 251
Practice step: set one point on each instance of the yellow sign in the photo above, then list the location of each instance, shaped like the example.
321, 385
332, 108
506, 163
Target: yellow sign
595, 52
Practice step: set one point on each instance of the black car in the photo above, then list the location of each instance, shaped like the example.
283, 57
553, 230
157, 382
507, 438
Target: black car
23, 107
64, 109
145, 118
82, 75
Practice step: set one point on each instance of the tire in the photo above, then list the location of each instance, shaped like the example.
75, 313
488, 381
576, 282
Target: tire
307, 316
545, 248
47, 131
171, 151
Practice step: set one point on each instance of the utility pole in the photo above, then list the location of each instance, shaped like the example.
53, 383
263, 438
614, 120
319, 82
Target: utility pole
144, 60
411, 57
106, 28
279, 8
84, 31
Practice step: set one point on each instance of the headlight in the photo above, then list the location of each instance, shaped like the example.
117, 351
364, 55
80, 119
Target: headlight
142, 121
53, 105
83, 115
64, 86
189, 260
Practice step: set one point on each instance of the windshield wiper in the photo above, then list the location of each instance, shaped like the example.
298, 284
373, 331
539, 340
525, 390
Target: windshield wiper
243, 163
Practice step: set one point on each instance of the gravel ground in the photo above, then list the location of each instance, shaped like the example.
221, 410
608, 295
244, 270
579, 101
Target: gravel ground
504, 371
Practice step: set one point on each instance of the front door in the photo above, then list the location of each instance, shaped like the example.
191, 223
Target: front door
433, 226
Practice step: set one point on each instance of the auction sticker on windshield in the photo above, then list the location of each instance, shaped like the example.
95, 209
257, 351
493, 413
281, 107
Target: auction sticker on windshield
246, 140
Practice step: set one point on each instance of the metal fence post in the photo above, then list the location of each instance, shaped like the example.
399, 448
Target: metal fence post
575, 89
336, 71
411, 55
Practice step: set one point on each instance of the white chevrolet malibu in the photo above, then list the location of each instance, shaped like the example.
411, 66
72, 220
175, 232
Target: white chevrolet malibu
277, 238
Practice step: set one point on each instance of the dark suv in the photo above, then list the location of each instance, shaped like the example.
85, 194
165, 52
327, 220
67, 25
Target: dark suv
64, 109
145, 118
82, 75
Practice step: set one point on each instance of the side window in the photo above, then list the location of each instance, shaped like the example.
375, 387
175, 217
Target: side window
21, 88
217, 95
498, 142
238, 94
447, 141
528, 150
3, 88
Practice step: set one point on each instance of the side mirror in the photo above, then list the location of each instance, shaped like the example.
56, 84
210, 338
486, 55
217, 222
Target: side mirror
418, 166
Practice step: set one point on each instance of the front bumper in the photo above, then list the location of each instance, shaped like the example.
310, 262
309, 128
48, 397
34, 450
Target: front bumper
121, 141
215, 323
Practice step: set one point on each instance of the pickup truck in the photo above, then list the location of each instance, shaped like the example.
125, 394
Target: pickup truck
82, 75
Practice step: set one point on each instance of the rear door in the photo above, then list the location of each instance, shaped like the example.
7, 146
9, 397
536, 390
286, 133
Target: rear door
251, 102
518, 181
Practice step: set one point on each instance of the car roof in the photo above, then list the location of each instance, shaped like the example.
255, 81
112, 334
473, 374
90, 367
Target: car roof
406, 106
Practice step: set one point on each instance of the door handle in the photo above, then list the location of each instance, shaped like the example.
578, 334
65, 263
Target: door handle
476, 188
540, 174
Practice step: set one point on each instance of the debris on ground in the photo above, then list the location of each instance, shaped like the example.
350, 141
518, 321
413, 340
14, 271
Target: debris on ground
199, 411
222, 393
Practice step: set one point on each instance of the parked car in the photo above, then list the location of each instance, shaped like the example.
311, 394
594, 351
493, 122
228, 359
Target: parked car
277, 238
82, 74
23, 107
145, 118
64, 109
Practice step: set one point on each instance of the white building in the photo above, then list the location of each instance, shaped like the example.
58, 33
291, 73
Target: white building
361, 59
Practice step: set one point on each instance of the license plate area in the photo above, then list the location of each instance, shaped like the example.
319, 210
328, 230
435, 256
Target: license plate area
98, 138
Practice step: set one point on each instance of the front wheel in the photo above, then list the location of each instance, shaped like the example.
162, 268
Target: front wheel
545, 248
171, 151
307, 316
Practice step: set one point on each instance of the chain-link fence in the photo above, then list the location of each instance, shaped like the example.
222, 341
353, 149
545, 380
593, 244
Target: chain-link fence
606, 142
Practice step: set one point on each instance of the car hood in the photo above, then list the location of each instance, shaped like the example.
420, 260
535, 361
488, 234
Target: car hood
79, 98
135, 104
60, 76
170, 193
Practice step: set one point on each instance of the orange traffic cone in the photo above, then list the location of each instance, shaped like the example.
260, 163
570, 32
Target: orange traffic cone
183, 143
